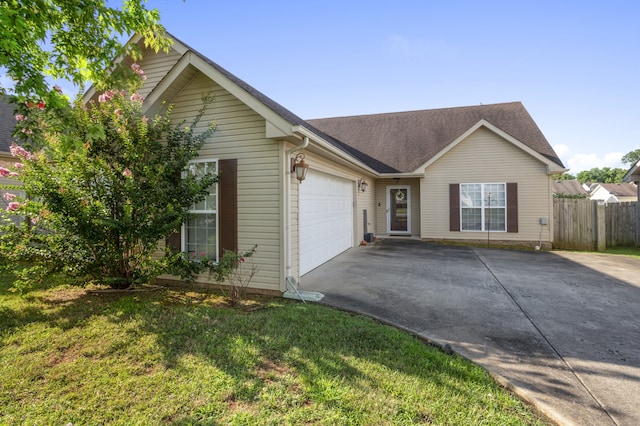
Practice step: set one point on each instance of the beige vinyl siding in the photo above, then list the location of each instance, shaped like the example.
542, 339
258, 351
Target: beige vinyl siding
381, 203
155, 67
363, 200
484, 157
240, 134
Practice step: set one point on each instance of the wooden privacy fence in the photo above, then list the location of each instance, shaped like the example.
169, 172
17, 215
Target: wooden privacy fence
582, 224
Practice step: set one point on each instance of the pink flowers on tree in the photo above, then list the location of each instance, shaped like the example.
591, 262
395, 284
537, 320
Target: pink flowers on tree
136, 68
20, 152
13, 206
136, 97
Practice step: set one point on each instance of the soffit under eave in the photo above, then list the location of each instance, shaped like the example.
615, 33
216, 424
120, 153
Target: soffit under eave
552, 167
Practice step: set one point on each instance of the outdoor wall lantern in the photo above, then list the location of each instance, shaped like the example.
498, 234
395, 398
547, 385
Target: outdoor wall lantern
299, 167
362, 185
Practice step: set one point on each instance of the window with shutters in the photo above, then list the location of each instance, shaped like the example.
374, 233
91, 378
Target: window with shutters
483, 207
201, 232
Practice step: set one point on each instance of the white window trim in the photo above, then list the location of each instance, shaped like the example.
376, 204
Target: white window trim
483, 207
183, 243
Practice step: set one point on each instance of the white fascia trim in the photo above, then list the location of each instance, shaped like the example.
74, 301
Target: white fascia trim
333, 150
552, 168
400, 175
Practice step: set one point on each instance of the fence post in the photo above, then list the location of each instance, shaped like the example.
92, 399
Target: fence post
601, 236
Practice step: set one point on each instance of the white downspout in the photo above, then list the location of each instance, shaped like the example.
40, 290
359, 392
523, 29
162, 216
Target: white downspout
303, 145
291, 283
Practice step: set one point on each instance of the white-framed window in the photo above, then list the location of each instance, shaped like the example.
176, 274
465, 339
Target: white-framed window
483, 207
200, 234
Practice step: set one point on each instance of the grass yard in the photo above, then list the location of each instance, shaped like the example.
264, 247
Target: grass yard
182, 357
627, 251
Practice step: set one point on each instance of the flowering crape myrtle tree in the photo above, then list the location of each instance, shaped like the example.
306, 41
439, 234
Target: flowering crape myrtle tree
103, 185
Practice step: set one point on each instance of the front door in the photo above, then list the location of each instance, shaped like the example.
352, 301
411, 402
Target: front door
398, 210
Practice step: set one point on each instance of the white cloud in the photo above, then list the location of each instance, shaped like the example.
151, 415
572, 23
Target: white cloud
561, 150
579, 162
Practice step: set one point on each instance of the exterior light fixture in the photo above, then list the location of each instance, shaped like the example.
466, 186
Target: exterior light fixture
299, 167
362, 185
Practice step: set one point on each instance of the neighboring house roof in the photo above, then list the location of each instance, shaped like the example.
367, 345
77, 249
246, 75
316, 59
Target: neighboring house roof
407, 140
619, 189
569, 187
7, 124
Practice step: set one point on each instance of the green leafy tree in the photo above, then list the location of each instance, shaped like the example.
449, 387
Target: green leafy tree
631, 158
603, 175
565, 176
72, 40
102, 193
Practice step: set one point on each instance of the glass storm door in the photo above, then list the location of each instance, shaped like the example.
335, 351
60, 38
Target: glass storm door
398, 210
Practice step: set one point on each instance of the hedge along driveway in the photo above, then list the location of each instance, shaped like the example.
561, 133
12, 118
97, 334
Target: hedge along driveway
561, 329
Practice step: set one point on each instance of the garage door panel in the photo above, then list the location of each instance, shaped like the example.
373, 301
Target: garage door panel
326, 219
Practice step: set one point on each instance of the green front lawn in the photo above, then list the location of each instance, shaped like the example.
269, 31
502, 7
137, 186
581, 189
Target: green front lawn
183, 357
627, 251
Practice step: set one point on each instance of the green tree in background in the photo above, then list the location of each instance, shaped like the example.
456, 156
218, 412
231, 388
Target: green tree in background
603, 175
72, 40
631, 158
565, 176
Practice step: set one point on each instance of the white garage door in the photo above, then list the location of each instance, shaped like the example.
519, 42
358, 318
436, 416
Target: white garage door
326, 219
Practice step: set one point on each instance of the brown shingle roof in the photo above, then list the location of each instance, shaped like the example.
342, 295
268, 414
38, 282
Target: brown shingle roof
407, 140
621, 189
569, 187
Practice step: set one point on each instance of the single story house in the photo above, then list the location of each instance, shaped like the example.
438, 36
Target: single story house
614, 192
463, 174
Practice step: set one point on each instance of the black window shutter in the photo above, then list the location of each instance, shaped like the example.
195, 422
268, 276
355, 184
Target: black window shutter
228, 205
512, 207
454, 207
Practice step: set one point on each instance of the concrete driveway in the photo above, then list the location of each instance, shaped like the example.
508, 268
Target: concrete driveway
560, 329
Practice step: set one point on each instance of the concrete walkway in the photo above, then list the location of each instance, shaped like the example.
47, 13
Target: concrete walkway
562, 330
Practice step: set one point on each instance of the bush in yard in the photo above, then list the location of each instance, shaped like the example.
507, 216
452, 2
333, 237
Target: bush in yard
103, 185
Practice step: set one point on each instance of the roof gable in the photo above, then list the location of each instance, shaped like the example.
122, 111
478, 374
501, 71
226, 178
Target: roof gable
406, 141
